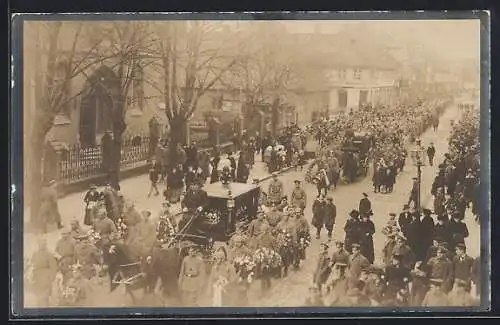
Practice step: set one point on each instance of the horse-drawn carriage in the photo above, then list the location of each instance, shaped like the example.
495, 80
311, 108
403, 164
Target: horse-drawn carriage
356, 156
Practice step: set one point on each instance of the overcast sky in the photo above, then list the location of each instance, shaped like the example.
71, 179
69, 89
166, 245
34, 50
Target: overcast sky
453, 39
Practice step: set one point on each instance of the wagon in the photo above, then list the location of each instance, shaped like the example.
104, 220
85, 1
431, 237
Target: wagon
228, 205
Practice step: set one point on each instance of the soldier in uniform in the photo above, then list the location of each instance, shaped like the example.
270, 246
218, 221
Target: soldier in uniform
441, 267
66, 254
462, 265
323, 269
191, 277
414, 193
351, 229
413, 235
276, 190
87, 256
274, 216
435, 297
340, 255
356, 264
76, 229
318, 210
44, 270
365, 206
239, 248
257, 229
330, 216
298, 197
104, 226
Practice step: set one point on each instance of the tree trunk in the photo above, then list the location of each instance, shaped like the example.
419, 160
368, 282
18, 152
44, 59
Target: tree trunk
275, 117
178, 134
116, 155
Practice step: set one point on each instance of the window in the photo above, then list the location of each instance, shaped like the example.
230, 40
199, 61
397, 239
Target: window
137, 98
357, 74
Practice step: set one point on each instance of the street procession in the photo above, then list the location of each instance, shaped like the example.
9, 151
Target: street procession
377, 205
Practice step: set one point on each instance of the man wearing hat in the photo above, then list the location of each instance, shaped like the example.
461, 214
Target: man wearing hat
104, 226
318, 210
274, 216
441, 267
351, 229
298, 197
91, 199
401, 247
276, 190
340, 255
441, 231
366, 232
404, 218
439, 202
109, 201
426, 229
435, 297
462, 265
365, 206
397, 276
413, 236
87, 255
44, 270
257, 229
356, 264
458, 230
431, 152
191, 277
66, 253
330, 216
323, 269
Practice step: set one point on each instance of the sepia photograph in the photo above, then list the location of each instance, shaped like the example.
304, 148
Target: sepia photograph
176, 163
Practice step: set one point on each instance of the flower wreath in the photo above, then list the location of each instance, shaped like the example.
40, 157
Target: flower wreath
212, 218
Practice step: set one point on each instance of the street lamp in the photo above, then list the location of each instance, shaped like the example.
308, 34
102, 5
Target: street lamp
230, 205
417, 156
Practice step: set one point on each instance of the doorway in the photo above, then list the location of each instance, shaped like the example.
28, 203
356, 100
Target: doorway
342, 98
363, 97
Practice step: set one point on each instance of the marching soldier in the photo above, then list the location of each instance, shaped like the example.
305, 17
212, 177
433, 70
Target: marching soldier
365, 206
274, 216
351, 229
298, 197
462, 265
65, 254
191, 277
258, 228
44, 270
356, 264
323, 269
435, 297
318, 210
340, 256
276, 190
441, 268
330, 216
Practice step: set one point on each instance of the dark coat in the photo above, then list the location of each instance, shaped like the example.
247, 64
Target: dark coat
458, 232
322, 269
396, 277
462, 268
318, 209
351, 229
365, 206
442, 233
441, 269
366, 231
404, 219
426, 233
413, 236
330, 215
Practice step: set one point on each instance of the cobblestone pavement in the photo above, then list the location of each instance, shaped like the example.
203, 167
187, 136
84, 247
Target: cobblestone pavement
292, 290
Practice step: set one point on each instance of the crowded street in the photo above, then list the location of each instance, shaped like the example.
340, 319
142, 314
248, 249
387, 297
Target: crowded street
350, 177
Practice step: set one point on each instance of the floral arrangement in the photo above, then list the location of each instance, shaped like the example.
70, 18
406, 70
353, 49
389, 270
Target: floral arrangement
94, 236
267, 259
245, 268
305, 241
121, 228
212, 218
165, 230
69, 295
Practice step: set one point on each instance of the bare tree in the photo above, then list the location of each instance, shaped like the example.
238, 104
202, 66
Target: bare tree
193, 57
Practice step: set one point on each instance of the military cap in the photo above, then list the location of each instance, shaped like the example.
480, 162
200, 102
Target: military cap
296, 181
356, 246
460, 246
427, 212
415, 178
354, 213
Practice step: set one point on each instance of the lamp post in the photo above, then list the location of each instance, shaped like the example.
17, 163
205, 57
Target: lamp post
418, 162
230, 206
